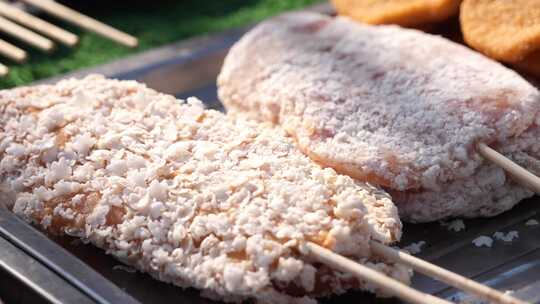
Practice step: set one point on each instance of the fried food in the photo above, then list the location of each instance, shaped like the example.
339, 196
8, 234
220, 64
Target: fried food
506, 30
402, 12
183, 193
383, 104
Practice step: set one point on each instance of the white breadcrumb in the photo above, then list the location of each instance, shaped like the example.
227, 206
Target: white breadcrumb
509, 292
185, 194
508, 237
415, 248
454, 225
392, 106
532, 222
483, 241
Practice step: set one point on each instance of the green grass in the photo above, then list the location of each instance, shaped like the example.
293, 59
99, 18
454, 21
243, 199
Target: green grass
155, 23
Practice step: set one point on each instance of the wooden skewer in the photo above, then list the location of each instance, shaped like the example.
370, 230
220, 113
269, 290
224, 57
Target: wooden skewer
3, 70
387, 284
443, 275
25, 35
83, 21
37, 24
521, 175
12, 52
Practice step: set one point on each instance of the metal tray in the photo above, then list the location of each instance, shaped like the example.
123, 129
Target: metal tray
189, 69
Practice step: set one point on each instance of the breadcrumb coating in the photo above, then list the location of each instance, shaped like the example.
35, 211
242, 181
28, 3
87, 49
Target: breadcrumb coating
391, 106
186, 194
488, 192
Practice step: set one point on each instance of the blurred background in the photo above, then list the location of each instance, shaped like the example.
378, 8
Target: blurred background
155, 23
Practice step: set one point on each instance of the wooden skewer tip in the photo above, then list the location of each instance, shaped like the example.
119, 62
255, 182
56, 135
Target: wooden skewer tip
3, 70
26, 35
12, 52
37, 24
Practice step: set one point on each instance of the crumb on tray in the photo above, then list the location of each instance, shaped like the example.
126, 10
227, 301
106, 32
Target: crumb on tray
532, 222
483, 241
508, 237
455, 225
415, 248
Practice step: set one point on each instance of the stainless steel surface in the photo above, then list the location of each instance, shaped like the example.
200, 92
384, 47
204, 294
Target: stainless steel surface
18, 269
504, 266
43, 252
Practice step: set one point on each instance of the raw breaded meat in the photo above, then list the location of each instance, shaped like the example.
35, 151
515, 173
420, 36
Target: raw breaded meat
186, 194
488, 192
402, 12
392, 106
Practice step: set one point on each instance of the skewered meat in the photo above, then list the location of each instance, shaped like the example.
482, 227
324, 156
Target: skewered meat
488, 192
185, 194
395, 107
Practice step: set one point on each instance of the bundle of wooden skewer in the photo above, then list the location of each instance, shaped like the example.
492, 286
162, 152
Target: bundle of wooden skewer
42, 35
409, 294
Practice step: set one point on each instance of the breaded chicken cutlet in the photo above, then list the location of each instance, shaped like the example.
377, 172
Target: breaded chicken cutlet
387, 105
186, 194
